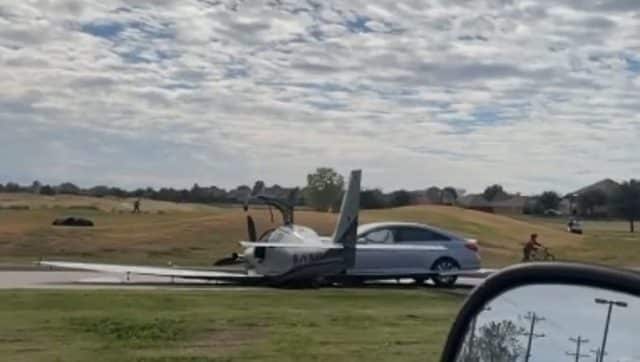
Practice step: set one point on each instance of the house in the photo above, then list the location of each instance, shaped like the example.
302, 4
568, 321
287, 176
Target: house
512, 204
436, 196
608, 186
570, 200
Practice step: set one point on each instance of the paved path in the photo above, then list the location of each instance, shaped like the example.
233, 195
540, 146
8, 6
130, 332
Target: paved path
45, 279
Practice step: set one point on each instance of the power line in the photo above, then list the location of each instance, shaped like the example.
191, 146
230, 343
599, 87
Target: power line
533, 318
578, 341
516, 307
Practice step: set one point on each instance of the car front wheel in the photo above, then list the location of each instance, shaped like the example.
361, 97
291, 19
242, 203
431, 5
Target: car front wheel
445, 265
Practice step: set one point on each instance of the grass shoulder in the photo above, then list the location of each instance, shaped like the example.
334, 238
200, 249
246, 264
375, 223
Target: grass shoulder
319, 325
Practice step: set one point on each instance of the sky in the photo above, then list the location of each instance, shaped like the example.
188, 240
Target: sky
569, 311
533, 95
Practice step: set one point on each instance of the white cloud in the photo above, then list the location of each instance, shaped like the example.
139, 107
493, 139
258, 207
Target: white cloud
533, 94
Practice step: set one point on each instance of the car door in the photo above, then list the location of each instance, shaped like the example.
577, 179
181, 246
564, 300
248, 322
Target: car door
415, 239
371, 252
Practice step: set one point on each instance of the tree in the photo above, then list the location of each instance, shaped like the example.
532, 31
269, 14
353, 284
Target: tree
68, 188
434, 194
99, 191
197, 194
494, 192
335, 208
625, 202
400, 198
449, 195
548, 200
184, 195
495, 342
150, 193
372, 199
47, 190
35, 187
165, 194
118, 192
323, 188
499, 341
589, 200
138, 193
12, 187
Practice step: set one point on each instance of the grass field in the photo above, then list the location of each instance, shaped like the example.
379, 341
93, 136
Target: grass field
109, 204
319, 325
195, 234
275, 325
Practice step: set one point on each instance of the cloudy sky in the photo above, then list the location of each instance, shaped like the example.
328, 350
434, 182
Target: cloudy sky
534, 95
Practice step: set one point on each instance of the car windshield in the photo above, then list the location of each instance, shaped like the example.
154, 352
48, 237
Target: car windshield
293, 180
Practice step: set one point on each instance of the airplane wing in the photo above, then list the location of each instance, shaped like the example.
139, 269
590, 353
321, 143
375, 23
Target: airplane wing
472, 273
247, 244
340, 246
177, 272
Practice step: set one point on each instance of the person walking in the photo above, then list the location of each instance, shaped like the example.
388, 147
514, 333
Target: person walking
136, 206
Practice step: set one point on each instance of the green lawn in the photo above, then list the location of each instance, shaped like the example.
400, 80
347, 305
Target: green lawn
278, 325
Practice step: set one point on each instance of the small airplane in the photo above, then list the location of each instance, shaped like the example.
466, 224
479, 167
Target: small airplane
288, 255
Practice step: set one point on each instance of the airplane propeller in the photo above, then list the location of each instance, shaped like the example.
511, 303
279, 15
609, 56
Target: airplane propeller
251, 228
251, 225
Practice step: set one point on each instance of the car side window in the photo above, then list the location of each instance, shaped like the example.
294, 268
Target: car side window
418, 234
380, 236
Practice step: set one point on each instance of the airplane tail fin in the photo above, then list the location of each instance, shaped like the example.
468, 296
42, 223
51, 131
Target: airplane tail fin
346, 232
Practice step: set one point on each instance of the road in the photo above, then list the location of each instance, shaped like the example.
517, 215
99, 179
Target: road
55, 279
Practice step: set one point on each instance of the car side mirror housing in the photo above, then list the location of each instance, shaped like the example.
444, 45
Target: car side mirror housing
549, 312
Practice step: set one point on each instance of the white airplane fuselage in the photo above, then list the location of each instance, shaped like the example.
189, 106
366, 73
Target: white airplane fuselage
278, 261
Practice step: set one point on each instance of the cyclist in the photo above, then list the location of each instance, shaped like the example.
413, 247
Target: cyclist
530, 246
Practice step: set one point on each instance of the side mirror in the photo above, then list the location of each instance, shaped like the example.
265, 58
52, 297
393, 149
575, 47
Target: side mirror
549, 312
362, 240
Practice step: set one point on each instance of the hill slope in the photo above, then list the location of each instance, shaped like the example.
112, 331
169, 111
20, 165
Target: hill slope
109, 203
197, 234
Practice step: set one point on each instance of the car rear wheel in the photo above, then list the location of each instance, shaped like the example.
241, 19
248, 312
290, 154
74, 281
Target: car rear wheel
445, 265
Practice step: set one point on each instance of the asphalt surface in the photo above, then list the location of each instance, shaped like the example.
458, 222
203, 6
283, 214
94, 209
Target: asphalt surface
56, 279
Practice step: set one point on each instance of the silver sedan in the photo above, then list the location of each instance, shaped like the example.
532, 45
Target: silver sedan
395, 249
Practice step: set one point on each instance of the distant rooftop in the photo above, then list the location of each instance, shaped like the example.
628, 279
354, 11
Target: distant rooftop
607, 185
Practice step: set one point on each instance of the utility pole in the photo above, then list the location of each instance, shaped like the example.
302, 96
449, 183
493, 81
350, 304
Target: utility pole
533, 318
578, 341
597, 353
611, 303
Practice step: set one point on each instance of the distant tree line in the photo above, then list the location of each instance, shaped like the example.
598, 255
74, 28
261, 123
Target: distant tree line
323, 192
376, 199
196, 194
